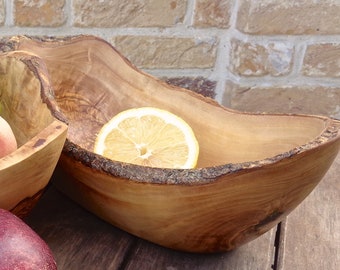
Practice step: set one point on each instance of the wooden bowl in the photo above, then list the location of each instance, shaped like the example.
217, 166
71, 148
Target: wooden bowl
28, 107
253, 169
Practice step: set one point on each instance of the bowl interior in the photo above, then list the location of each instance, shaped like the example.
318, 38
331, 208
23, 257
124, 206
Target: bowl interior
21, 104
93, 82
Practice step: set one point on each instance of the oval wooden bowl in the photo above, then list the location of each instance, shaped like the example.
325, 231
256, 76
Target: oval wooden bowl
253, 169
27, 105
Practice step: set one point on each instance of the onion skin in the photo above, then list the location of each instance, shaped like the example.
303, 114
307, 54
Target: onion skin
20, 247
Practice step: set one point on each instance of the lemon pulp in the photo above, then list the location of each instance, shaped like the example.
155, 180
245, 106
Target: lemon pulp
150, 137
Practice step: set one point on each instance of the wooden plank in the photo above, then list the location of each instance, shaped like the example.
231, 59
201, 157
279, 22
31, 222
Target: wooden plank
310, 237
258, 254
80, 240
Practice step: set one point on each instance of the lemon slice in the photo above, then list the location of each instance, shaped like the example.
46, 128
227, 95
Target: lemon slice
150, 137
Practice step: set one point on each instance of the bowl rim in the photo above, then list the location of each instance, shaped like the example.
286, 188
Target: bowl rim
34, 145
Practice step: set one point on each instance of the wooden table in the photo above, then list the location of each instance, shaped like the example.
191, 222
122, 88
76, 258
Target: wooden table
309, 238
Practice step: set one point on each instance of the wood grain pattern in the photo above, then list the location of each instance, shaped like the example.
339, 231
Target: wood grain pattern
210, 215
253, 169
259, 254
80, 240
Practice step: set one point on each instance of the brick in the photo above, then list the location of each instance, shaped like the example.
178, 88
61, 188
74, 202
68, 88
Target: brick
322, 60
39, 13
2, 12
199, 84
212, 13
318, 100
253, 59
289, 17
166, 52
134, 13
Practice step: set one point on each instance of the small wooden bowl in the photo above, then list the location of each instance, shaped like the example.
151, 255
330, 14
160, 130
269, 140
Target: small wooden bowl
253, 169
28, 107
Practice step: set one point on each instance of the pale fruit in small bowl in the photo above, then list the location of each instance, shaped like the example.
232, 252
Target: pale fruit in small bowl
32, 131
252, 169
8, 143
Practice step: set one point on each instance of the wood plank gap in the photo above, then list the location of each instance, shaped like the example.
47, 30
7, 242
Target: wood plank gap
129, 254
280, 242
277, 245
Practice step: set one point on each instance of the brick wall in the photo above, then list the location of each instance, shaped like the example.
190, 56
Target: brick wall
281, 56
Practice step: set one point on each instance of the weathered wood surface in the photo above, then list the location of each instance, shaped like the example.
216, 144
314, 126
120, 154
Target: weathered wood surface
310, 237
80, 240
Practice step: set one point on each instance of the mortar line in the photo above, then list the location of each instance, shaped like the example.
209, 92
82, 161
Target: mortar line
68, 9
9, 11
298, 57
189, 14
234, 14
222, 63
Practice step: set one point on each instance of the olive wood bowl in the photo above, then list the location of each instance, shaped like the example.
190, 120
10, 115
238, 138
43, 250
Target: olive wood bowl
28, 106
253, 169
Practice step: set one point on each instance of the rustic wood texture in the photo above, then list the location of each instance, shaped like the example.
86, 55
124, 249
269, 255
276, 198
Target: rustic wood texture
253, 169
39, 134
311, 234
